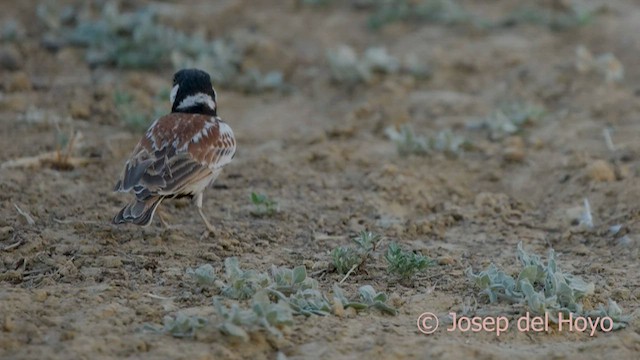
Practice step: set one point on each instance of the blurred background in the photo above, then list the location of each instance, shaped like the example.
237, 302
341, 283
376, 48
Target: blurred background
441, 124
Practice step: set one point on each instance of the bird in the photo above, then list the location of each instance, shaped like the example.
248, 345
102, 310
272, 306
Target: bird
180, 155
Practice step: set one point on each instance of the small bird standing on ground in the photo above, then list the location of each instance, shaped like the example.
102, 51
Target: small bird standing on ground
181, 154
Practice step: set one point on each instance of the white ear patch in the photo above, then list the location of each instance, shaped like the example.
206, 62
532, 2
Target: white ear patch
174, 92
197, 99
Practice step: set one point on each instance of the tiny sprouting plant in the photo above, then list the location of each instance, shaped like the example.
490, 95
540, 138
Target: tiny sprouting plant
405, 264
64, 150
263, 205
543, 287
348, 258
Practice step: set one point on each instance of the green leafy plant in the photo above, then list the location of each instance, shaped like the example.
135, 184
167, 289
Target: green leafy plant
405, 264
369, 299
289, 281
203, 275
543, 287
307, 302
263, 205
179, 326
263, 315
242, 284
446, 12
347, 258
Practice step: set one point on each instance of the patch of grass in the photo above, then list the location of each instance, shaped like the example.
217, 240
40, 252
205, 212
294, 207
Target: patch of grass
405, 264
264, 206
348, 258
409, 143
543, 287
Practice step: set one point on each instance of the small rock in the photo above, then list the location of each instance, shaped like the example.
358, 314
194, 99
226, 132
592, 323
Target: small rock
111, 262
5, 231
338, 309
40, 295
14, 103
10, 58
79, 109
621, 293
514, 149
19, 82
446, 260
600, 170
9, 324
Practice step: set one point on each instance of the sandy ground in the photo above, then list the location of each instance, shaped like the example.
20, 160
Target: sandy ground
76, 287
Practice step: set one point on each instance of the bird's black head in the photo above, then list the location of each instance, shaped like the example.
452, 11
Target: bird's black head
192, 92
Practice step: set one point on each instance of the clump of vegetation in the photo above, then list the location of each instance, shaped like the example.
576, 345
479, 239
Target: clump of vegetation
348, 68
406, 264
510, 119
137, 39
263, 315
446, 12
204, 275
555, 19
543, 287
180, 326
369, 299
264, 206
242, 284
348, 258
606, 64
409, 143
274, 299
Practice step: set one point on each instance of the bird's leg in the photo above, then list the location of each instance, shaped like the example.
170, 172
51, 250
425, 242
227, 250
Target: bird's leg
163, 221
210, 229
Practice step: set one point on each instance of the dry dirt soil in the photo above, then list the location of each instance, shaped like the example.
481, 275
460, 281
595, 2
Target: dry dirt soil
73, 286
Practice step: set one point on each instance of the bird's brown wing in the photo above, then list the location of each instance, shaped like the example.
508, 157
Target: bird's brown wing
177, 152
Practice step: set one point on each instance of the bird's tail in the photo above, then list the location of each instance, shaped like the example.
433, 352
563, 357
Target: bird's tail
139, 212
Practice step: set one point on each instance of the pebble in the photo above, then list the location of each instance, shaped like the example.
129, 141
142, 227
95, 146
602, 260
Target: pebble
601, 170
9, 324
19, 82
79, 109
5, 231
514, 149
10, 58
